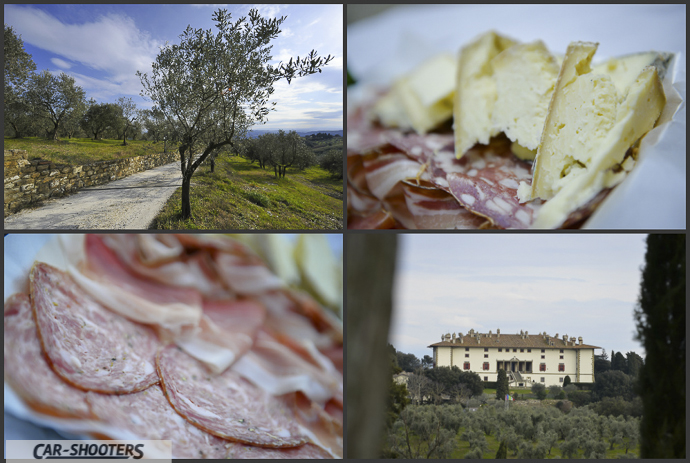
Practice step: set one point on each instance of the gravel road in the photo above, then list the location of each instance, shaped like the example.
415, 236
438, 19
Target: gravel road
130, 203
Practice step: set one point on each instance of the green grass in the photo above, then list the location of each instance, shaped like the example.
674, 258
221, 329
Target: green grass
78, 151
240, 195
526, 392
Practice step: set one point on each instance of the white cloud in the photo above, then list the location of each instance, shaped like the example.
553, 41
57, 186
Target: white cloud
111, 44
60, 63
267, 11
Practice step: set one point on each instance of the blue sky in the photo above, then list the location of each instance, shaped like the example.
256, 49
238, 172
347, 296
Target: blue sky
102, 47
575, 284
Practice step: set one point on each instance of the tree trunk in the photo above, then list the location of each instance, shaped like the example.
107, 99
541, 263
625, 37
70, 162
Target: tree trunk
370, 274
186, 206
124, 137
213, 165
275, 171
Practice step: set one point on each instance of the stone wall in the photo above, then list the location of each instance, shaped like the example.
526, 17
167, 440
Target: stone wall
28, 182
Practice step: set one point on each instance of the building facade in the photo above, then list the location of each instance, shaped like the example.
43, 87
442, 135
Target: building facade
527, 359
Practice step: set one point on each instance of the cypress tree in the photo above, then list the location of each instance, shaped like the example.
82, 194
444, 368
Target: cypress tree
660, 318
502, 449
502, 385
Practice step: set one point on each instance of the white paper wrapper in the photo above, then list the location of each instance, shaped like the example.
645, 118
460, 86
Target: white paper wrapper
653, 196
21, 422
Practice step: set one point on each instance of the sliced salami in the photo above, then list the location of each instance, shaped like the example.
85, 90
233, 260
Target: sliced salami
86, 344
148, 413
28, 372
433, 208
225, 405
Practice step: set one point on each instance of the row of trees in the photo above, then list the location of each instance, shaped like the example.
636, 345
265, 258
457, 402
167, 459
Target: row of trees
433, 431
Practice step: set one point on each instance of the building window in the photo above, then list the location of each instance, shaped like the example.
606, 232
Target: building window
467, 349
500, 349
559, 379
561, 357
467, 356
514, 350
543, 350
466, 365
561, 367
486, 365
542, 367
543, 356
486, 356
486, 349
486, 378
543, 379
561, 351
522, 350
529, 350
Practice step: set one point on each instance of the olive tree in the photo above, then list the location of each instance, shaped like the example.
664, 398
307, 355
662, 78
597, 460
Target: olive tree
54, 97
18, 68
213, 87
129, 116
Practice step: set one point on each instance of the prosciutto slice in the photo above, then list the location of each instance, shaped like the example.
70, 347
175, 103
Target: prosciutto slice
225, 405
226, 332
433, 208
87, 345
28, 372
148, 413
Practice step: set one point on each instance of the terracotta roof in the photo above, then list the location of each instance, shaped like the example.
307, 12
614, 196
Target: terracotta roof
512, 340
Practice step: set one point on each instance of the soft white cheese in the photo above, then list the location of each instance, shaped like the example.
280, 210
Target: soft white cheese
592, 121
422, 99
525, 76
475, 91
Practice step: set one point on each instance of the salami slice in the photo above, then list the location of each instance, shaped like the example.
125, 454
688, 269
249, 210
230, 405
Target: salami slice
27, 370
86, 344
305, 451
434, 208
225, 405
148, 414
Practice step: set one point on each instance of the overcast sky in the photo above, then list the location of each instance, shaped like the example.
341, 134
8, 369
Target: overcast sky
575, 284
102, 47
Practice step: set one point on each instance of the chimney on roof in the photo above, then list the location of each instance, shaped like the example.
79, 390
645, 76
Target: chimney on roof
556, 336
460, 340
447, 337
579, 340
498, 334
442, 338
489, 333
453, 338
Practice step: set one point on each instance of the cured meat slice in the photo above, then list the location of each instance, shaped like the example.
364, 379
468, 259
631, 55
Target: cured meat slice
148, 413
225, 405
433, 208
227, 331
380, 220
164, 260
28, 372
383, 170
86, 344
305, 451
323, 429
279, 370
113, 284
246, 276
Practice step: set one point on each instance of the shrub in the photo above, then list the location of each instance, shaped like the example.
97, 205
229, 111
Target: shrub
258, 198
579, 398
539, 390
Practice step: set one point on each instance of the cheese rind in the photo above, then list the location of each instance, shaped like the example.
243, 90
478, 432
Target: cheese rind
525, 76
475, 91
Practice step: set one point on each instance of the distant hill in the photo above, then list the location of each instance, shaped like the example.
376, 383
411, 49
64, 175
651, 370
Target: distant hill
301, 133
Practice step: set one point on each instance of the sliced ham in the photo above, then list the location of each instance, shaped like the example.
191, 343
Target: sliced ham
28, 372
108, 280
87, 345
225, 405
246, 276
280, 370
148, 413
227, 332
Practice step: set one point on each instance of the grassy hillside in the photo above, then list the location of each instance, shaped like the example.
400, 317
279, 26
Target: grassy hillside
321, 146
239, 196
82, 150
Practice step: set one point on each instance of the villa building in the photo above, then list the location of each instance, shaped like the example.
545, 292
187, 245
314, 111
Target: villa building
526, 358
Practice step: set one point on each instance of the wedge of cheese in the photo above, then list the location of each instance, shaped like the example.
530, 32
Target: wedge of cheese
475, 91
525, 77
422, 99
593, 119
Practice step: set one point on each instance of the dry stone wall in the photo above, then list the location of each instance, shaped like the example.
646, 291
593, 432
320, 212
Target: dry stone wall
28, 182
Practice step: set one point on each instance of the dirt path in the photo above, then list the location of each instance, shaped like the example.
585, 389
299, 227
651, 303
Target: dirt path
130, 203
